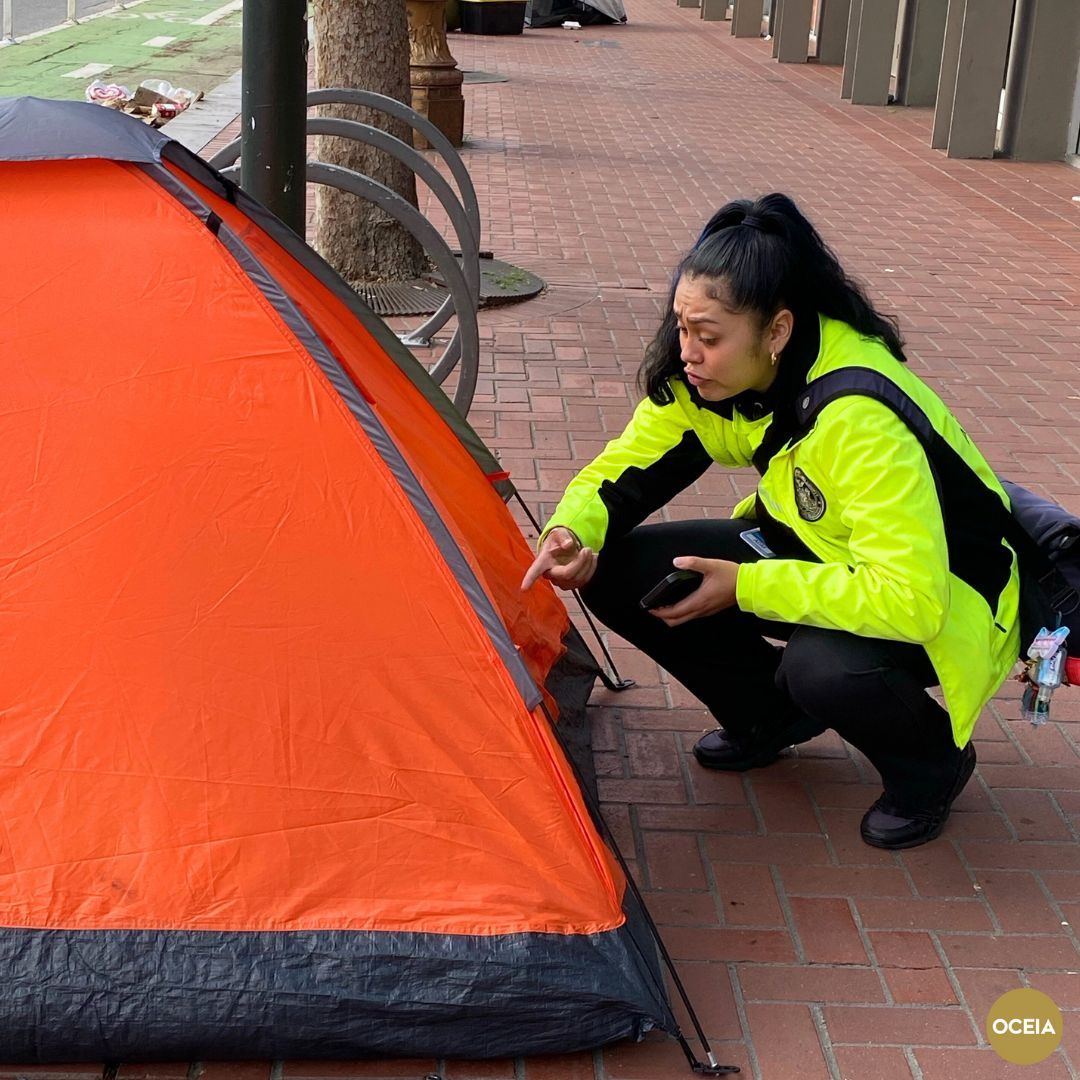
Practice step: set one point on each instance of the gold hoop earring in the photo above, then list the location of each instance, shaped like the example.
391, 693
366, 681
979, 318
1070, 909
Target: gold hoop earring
772, 359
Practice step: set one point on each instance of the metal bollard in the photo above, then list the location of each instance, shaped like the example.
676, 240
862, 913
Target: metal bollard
72, 14
6, 23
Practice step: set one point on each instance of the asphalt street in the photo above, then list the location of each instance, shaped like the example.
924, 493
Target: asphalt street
190, 43
29, 16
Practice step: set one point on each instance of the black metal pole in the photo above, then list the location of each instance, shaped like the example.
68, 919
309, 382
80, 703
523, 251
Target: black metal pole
273, 107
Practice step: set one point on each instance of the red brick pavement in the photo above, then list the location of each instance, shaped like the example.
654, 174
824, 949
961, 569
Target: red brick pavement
808, 954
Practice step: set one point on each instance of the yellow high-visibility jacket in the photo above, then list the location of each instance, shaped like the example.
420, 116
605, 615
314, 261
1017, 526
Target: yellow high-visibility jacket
858, 491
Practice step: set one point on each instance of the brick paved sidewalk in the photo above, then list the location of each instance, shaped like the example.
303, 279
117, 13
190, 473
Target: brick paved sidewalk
809, 955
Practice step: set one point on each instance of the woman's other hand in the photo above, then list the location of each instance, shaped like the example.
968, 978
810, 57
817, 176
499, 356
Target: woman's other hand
715, 593
562, 560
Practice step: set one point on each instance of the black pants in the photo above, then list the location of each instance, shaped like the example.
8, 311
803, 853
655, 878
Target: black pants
870, 691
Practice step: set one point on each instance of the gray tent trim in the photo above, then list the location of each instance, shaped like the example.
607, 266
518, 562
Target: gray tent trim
35, 129
384, 445
41, 130
328, 276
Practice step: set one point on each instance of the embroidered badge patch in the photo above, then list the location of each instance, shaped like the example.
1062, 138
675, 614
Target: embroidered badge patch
808, 497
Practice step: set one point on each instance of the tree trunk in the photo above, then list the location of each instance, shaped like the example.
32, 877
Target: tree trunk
364, 44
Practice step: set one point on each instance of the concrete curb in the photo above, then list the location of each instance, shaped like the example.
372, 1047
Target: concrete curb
202, 123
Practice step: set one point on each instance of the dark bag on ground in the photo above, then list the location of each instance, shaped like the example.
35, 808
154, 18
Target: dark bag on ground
1050, 568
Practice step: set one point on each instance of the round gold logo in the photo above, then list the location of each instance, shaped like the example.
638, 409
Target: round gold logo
1024, 1026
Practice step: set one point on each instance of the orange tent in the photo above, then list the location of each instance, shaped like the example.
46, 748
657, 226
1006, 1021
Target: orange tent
277, 772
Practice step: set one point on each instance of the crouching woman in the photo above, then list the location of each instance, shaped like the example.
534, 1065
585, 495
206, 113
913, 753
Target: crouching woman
864, 552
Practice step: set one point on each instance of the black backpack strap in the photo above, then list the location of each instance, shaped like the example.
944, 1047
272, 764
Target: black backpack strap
956, 482
814, 396
865, 382
780, 431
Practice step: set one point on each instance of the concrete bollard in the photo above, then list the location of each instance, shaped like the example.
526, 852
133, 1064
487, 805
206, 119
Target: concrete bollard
792, 34
746, 20
714, 10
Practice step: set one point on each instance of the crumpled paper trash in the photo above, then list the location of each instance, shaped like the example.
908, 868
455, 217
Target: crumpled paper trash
156, 101
151, 92
113, 95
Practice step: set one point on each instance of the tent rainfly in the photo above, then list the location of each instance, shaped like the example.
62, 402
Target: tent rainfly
279, 771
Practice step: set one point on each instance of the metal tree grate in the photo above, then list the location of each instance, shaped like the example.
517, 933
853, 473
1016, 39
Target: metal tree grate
500, 283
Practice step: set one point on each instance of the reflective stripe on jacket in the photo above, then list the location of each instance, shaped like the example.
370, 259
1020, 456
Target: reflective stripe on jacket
858, 492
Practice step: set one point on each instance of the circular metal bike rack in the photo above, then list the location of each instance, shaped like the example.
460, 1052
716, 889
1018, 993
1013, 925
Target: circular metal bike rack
462, 282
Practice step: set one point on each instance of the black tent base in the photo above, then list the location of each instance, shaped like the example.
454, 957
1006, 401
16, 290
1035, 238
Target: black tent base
145, 995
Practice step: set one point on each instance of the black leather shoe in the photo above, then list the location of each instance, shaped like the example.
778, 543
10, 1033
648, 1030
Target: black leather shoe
719, 749
885, 825
760, 746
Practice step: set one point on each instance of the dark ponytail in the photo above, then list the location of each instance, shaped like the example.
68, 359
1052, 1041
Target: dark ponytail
764, 256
